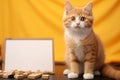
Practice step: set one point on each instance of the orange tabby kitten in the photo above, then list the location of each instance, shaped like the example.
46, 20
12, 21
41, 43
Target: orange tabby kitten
84, 51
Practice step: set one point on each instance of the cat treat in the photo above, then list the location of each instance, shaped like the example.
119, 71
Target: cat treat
25, 74
9, 74
35, 75
21, 74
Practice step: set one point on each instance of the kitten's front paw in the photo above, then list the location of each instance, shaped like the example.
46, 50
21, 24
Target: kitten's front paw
88, 76
66, 71
73, 75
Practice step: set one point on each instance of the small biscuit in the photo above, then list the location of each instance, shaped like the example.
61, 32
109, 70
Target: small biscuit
5, 75
19, 76
35, 75
9, 74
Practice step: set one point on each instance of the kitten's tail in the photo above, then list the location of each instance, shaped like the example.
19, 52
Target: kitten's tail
110, 71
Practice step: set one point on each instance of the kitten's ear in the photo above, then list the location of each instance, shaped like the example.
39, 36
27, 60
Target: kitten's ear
88, 7
68, 6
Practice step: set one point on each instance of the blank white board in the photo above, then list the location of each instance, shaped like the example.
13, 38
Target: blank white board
29, 55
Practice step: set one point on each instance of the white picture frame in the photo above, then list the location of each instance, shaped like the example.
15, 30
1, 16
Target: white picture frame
29, 54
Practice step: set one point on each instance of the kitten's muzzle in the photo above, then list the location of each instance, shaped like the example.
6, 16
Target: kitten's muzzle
77, 27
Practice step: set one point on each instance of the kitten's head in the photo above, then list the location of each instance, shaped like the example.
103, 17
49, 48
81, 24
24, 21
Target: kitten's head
77, 18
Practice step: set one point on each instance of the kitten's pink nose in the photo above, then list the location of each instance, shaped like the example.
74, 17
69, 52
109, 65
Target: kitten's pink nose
78, 24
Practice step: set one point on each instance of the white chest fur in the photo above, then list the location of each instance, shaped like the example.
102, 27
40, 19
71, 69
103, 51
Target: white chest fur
79, 52
77, 36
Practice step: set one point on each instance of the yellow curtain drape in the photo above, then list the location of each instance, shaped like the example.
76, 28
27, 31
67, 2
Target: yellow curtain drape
43, 19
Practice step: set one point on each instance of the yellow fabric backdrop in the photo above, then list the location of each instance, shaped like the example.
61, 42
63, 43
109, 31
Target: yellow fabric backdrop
43, 19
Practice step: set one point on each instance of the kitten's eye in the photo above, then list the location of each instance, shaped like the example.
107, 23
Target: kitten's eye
82, 18
73, 18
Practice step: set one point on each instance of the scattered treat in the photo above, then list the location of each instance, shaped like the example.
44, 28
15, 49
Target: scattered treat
25, 74
35, 75
21, 74
45, 76
9, 74
5, 75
